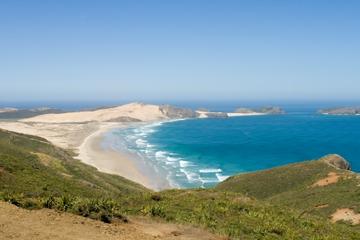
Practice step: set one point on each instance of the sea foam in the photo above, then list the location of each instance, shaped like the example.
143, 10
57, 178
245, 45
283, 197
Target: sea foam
210, 170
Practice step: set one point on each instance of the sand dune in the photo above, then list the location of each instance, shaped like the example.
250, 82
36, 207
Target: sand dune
129, 112
69, 136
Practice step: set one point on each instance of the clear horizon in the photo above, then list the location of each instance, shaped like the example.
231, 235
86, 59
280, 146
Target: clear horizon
119, 51
213, 105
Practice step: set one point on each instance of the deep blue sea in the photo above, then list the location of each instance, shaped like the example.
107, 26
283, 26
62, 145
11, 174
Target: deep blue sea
203, 152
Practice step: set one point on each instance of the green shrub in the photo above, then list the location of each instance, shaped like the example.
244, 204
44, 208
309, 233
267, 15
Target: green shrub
154, 211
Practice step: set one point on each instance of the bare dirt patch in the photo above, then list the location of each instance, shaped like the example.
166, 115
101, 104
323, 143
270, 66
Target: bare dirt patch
346, 214
332, 178
17, 223
171, 231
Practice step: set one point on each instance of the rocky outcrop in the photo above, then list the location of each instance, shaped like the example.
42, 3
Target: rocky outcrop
263, 110
271, 110
244, 110
176, 112
336, 161
341, 111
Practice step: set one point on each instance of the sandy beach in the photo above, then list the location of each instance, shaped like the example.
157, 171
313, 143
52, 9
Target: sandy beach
124, 163
86, 140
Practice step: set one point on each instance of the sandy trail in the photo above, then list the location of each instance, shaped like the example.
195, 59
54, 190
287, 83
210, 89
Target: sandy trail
17, 223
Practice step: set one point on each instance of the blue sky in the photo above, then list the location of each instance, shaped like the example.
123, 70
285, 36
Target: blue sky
179, 50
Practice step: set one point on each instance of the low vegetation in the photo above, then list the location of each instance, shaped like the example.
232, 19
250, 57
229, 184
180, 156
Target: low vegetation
312, 187
264, 205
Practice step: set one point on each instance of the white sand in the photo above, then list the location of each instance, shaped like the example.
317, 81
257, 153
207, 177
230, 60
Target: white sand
125, 164
135, 111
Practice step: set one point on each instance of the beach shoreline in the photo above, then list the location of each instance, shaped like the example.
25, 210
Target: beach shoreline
117, 161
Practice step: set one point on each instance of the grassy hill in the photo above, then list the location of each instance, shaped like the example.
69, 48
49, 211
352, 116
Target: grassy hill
36, 174
313, 187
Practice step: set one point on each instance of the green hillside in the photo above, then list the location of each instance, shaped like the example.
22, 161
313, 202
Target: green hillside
313, 187
36, 174
34, 167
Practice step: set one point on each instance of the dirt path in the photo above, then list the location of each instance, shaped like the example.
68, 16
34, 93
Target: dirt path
17, 223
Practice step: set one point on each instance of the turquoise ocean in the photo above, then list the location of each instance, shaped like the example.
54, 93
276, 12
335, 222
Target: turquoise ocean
203, 152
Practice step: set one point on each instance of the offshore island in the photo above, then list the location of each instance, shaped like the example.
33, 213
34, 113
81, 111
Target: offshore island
341, 111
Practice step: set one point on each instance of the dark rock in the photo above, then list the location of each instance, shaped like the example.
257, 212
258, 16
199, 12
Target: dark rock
271, 110
336, 161
175, 112
264, 110
216, 115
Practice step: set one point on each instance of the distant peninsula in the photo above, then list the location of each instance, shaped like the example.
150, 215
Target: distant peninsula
205, 113
341, 111
14, 113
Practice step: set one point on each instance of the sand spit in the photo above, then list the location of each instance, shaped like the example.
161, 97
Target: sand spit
131, 112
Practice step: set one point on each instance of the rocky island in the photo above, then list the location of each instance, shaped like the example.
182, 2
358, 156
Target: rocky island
259, 111
341, 111
205, 113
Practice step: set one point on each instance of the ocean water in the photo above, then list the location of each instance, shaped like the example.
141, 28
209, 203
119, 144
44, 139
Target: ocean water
203, 152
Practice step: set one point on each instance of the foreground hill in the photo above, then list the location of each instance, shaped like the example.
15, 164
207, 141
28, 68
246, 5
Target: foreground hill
33, 167
35, 174
18, 223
